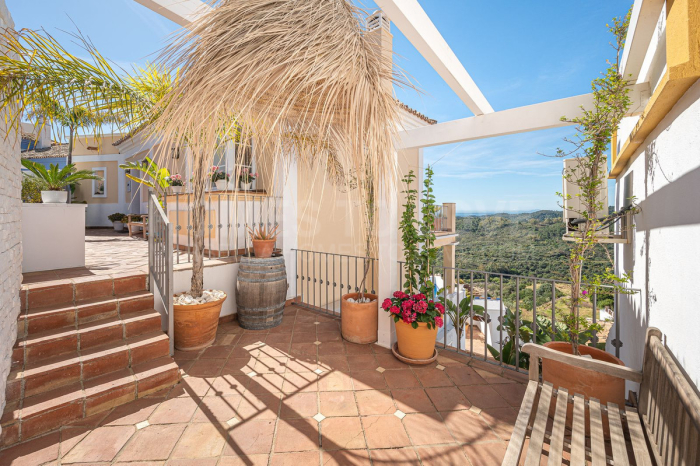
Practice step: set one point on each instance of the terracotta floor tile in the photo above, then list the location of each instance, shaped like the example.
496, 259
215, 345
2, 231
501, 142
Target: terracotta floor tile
302, 364
206, 367
239, 365
427, 429
265, 365
303, 349
490, 377
189, 462
326, 337
342, 433
337, 362
31, 453
433, 378
486, 453
328, 326
447, 398
483, 396
71, 436
250, 438
334, 381
467, 427
463, 375
413, 400
266, 383
101, 444
258, 406
440, 455
513, 393
375, 402
362, 362
346, 458
354, 348
252, 460
174, 411
299, 405
229, 384
217, 408
199, 441
311, 458
131, 413
384, 432
278, 339
402, 378
330, 348
296, 435
300, 382
304, 337
389, 362
193, 387
340, 403
501, 420
152, 443
217, 352
367, 380
402, 456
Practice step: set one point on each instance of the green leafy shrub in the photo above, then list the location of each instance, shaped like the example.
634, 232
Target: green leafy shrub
31, 191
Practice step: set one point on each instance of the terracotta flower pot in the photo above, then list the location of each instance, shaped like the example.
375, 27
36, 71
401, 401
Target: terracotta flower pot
263, 247
359, 320
416, 343
196, 324
588, 383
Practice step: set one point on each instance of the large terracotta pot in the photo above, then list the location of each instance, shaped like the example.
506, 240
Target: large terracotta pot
415, 343
196, 324
359, 320
263, 247
588, 383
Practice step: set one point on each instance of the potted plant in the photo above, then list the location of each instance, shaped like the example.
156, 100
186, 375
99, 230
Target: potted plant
246, 178
53, 182
196, 319
359, 311
117, 221
263, 239
177, 184
219, 178
417, 316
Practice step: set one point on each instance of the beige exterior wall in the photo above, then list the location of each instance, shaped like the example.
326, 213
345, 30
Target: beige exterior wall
10, 239
84, 190
89, 145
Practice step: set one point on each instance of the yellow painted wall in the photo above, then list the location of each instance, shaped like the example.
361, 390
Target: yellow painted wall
103, 145
84, 191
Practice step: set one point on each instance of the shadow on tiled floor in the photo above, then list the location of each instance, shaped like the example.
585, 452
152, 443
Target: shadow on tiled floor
298, 394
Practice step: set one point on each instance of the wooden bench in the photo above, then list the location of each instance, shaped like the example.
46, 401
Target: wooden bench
663, 428
143, 223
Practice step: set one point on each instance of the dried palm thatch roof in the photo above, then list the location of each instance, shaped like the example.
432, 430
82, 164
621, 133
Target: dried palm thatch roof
302, 77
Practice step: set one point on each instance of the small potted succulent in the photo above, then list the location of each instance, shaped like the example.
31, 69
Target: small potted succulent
117, 221
246, 178
220, 178
177, 184
263, 239
53, 181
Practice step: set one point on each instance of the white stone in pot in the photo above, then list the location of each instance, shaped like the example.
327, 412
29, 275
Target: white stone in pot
207, 296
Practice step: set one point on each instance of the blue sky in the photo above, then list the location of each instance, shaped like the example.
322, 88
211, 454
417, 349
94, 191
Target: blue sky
519, 53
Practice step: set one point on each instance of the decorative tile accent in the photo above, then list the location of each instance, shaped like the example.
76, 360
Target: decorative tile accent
251, 374
400, 414
142, 425
475, 410
318, 371
380, 370
319, 417
317, 343
317, 323
440, 367
232, 422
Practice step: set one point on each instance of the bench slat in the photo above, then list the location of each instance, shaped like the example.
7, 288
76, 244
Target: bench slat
597, 440
556, 443
639, 444
517, 439
578, 435
534, 452
617, 437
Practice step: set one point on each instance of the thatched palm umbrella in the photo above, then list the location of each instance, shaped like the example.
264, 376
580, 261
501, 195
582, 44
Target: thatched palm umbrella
301, 77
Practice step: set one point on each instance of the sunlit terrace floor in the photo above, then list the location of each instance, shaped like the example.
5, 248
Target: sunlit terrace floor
298, 394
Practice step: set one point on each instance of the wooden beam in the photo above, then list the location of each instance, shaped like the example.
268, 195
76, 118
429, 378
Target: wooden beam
645, 16
182, 12
512, 121
415, 24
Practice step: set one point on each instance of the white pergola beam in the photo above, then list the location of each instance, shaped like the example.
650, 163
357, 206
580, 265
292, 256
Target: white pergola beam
182, 12
645, 16
415, 24
512, 121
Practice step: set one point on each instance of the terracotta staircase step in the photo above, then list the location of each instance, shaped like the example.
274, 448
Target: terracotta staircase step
45, 318
36, 347
51, 373
50, 410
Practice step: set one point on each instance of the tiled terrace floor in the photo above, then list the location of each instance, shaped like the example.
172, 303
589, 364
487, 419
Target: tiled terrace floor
297, 395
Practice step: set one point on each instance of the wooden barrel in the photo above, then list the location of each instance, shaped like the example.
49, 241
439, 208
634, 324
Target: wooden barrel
261, 292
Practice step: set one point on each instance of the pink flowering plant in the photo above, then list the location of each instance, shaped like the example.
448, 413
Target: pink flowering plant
247, 176
217, 174
416, 304
176, 180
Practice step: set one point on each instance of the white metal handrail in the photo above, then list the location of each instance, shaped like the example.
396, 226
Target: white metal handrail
160, 259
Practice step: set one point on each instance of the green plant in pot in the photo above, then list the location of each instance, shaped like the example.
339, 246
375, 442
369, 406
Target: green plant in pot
117, 221
263, 239
52, 181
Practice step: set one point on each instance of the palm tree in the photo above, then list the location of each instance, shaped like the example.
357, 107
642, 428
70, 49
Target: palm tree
53, 178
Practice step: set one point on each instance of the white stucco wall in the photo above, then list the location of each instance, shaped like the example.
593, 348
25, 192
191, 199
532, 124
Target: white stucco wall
664, 255
10, 238
53, 236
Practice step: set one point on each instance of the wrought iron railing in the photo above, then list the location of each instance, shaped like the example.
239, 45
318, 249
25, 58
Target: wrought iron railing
160, 259
322, 278
517, 309
228, 218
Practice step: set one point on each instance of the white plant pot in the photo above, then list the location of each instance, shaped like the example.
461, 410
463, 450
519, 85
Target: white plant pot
118, 226
246, 186
54, 197
177, 189
221, 185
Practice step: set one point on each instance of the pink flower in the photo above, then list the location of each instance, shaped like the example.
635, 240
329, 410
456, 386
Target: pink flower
440, 308
438, 321
395, 309
407, 305
585, 292
386, 304
421, 307
400, 295
419, 296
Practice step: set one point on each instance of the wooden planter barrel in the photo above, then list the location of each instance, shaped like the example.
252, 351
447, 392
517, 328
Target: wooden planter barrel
261, 292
